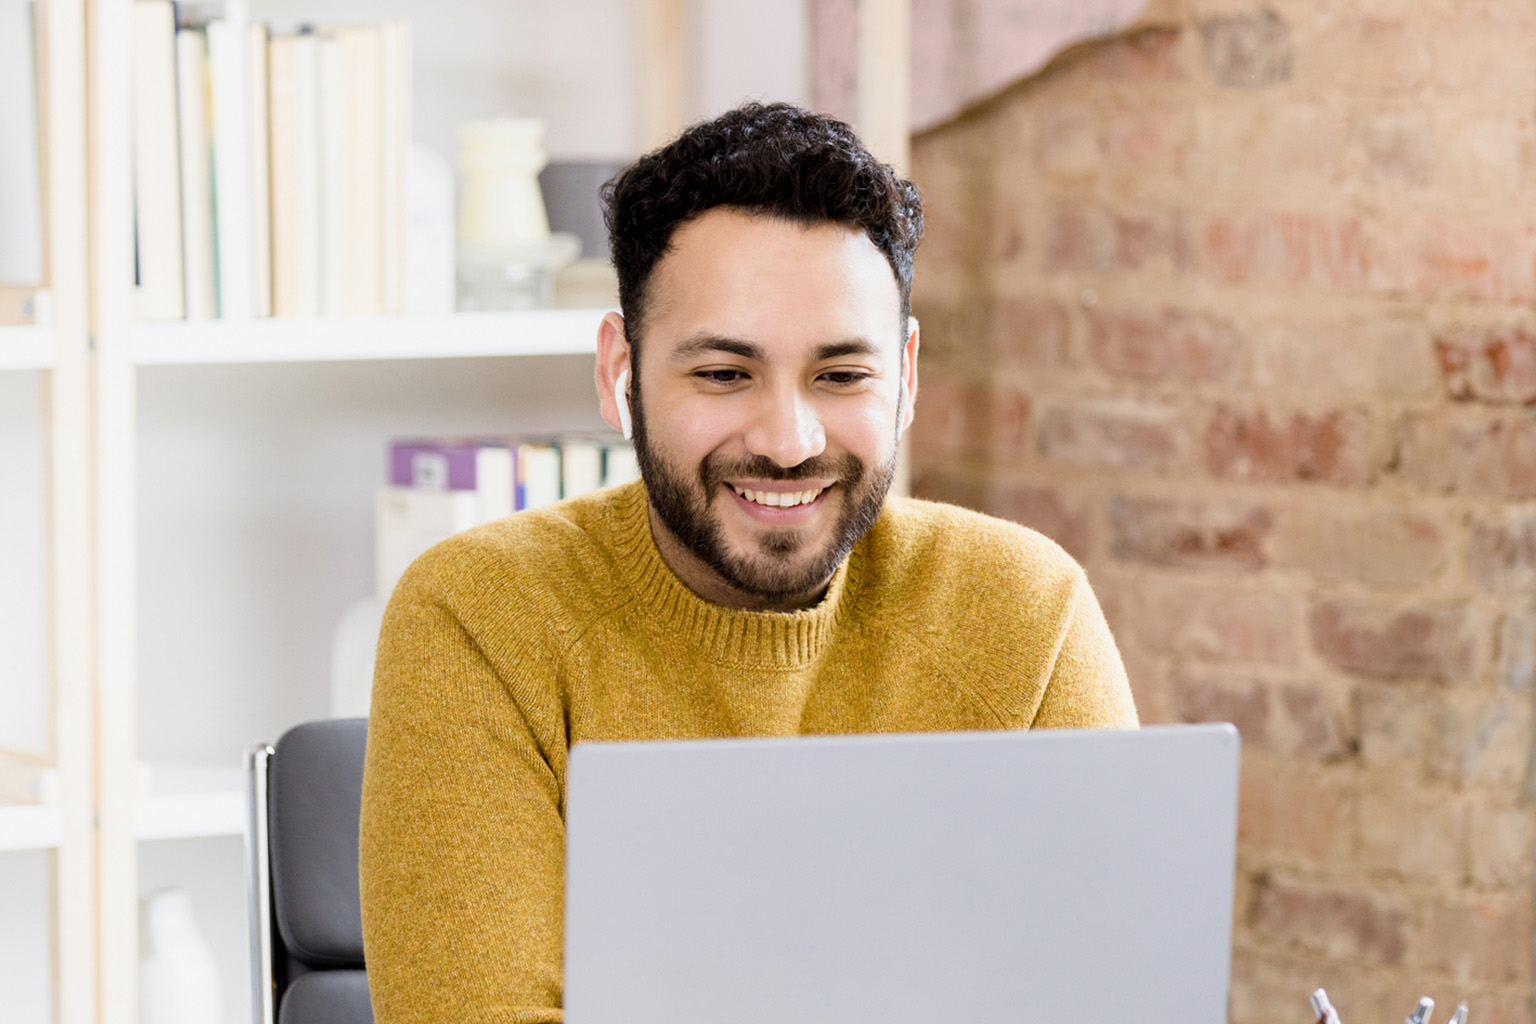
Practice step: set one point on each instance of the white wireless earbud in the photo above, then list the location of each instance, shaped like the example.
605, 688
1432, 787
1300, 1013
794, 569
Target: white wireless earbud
621, 399
904, 394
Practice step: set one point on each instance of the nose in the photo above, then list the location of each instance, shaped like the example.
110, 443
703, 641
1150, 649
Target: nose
785, 427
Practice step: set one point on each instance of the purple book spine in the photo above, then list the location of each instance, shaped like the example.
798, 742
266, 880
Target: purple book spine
436, 465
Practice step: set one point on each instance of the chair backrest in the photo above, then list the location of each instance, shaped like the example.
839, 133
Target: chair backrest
306, 924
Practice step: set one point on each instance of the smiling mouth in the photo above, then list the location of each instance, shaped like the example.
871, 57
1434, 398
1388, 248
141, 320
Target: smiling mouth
779, 499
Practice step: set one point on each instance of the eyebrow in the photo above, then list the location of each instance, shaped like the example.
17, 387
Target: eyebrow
750, 350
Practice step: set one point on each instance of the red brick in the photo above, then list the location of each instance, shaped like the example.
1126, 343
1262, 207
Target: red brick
1331, 922
1192, 534
1449, 259
1479, 457
1382, 641
1517, 651
1479, 742
1489, 365
1376, 358
1207, 697
1417, 834
1482, 941
1501, 554
1113, 432
1331, 447
1394, 147
1040, 508
1499, 844
1142, 144
1218, 621
1149, 55
1285, 248
1396, 726
1286, 717
971, 420
1368, 55
1379, 547
1164, 344
1286, 810
1028, 333
1094, 239
1247, 51
1070, 143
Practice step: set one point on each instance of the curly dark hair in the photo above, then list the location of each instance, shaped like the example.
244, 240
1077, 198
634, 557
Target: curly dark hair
776, 159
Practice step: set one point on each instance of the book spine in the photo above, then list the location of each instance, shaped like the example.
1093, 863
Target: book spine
200, 295
261, 182
157, 174
361, 48
332, 135
230, 81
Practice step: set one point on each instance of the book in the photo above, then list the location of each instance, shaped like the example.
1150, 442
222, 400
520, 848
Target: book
620, 466
293, 107
230, 116
199, 289
156, 163
395, 79
581, 467
538, 474
334, 247
408, 521
363, 84
257, 57
484, 467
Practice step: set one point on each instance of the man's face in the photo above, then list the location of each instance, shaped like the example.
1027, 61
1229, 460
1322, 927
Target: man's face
767, 424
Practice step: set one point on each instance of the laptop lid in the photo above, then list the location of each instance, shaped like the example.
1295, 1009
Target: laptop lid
972, 877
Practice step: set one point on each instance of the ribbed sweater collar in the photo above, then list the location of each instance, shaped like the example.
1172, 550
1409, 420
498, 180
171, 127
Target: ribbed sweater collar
760, 640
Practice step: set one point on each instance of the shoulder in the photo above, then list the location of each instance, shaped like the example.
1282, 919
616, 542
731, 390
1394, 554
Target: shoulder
949, 545
554, 558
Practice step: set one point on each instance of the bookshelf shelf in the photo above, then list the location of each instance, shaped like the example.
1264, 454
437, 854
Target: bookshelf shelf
26, 348
29, 827
189, 801
190, 816
459, 335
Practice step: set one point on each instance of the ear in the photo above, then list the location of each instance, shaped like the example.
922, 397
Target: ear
613, 358
909, 371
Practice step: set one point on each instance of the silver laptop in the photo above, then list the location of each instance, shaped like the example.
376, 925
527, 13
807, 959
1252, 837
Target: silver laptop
1081, 877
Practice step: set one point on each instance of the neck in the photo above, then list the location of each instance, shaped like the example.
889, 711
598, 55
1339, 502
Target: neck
705, 581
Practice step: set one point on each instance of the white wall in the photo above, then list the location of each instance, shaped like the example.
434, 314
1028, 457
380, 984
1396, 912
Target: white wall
20, 233
746, 51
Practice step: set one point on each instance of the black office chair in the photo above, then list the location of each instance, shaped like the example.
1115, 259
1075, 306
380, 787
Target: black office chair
304, 797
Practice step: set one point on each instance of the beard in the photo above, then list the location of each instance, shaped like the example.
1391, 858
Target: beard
780, 568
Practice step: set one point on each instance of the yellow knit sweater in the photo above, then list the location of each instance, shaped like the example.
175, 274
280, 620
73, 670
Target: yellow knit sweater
505, 645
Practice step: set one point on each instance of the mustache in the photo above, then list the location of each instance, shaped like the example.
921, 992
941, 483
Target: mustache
715, 471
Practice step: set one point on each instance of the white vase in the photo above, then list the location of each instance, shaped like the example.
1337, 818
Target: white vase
178, 977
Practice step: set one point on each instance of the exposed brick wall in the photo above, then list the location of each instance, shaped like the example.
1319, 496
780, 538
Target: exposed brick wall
1238, 308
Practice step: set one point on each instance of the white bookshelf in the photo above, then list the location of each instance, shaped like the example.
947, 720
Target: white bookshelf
189, 801
26, 348
340, 339
29, 827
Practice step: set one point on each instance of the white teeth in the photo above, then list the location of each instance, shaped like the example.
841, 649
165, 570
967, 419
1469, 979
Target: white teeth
779, 499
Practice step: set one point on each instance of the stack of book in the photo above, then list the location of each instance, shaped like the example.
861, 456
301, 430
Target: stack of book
268, 167
440, 486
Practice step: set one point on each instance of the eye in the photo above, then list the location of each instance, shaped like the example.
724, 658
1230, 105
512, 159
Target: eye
845, 378
721, 376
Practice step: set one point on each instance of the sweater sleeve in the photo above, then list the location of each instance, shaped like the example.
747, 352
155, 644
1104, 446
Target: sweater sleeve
1088, 688
462, 833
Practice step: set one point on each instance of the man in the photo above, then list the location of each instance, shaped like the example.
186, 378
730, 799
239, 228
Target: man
757, 583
